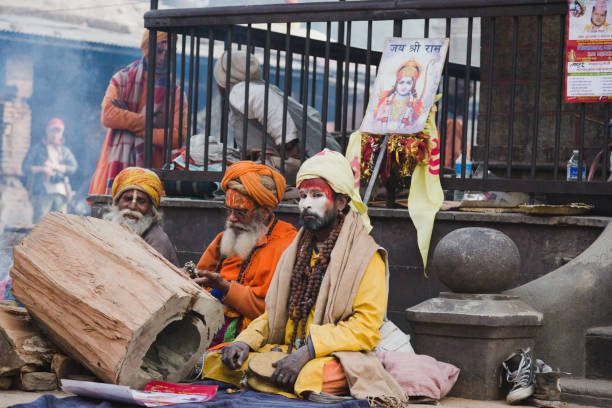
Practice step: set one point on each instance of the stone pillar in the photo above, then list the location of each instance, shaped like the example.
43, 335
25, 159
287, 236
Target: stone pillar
474, 331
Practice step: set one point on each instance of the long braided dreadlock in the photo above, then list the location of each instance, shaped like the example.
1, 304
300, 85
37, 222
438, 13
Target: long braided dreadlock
306, 280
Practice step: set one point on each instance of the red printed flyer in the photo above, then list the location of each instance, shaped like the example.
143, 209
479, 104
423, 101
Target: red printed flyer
588, 58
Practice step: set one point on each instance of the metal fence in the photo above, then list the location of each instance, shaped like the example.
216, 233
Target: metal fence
335, 76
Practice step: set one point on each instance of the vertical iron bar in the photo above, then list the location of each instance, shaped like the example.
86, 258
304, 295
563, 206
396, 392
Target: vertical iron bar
536, 110
264, 138
182, 101
366, 91
209, 92
453, 165
355, 79
466, 96
313, 98
148, 145
445, 83
325, 88
605, 160
306, 57
277, 67
510, 152
226, 92
190, 98
397, 28
301, 93
581, 140
473, 117
286, 90
560, 70
166, 107
195, 94
172, 57
338, 105
347, 61
426, 29
247, 80
489, 96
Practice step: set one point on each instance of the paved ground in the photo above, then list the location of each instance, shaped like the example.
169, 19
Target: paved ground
8, 398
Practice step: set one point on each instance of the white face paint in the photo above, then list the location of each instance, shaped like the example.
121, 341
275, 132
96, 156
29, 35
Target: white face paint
314, 200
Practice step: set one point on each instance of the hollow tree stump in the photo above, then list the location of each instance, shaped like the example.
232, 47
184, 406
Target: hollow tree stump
111, 302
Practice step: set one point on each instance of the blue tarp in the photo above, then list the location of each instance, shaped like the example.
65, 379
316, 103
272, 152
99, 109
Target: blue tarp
244, 399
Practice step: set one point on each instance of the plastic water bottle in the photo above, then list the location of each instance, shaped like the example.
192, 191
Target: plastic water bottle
572, 167
458, 195
468, 167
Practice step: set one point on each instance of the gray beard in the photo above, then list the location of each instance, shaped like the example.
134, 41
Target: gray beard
138, 226
240, 239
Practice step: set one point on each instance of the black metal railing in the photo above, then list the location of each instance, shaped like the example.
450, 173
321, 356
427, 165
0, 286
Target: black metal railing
334, 76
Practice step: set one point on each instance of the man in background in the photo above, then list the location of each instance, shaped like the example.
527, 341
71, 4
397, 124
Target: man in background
123, 113
47, 165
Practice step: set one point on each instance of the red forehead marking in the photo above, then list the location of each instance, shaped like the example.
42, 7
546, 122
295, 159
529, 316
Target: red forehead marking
318, 184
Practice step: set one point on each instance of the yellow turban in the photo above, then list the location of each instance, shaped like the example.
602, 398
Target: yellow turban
252, 177
334, 168
137, 178
144, 43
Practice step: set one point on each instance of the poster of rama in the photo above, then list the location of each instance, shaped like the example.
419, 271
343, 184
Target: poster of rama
405, 86
588, 58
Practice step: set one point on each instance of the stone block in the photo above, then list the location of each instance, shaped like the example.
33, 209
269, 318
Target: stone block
474, 333
598, 352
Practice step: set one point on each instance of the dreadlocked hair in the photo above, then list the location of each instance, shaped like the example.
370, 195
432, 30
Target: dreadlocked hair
306, 280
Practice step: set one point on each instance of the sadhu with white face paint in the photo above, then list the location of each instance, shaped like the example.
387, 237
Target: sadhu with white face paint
136, 194
327, 299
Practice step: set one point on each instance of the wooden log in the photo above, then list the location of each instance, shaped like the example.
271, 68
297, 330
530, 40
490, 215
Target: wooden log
65, 367
111, 302
38, 381
21, 343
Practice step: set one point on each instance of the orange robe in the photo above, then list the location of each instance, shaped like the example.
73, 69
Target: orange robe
117, 118
248, 298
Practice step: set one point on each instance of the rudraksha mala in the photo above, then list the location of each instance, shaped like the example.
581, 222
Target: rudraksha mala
306, 280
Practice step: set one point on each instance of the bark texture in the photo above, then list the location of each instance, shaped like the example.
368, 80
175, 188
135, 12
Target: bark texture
111, 302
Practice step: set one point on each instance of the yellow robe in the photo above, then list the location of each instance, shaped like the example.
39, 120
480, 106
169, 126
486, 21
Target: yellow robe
359, 332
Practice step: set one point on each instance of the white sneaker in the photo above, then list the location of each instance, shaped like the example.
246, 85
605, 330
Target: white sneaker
520, 372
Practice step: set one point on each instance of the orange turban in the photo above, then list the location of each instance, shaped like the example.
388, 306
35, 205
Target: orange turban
250, 175
137, 178
144, 43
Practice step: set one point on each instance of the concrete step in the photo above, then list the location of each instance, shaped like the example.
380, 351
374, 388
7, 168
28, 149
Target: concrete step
598, 352
585, 391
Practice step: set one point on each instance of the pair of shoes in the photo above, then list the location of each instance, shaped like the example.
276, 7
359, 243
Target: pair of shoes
520, 372
547, 388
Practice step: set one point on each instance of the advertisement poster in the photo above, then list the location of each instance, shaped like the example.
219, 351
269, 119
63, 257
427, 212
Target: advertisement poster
405, 86
588, 59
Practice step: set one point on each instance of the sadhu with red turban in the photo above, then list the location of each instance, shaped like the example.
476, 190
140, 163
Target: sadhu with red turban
238, 265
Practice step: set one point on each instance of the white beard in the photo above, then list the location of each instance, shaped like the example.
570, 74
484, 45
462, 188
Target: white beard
137, 225
239, 239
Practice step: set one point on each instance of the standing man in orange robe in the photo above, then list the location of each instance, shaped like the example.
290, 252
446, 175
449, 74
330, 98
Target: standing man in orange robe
123, 113
240, 262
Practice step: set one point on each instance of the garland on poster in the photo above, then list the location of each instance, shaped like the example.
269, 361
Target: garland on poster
588, 59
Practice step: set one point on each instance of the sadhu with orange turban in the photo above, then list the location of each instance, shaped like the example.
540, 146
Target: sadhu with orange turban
136, 194
238, 265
